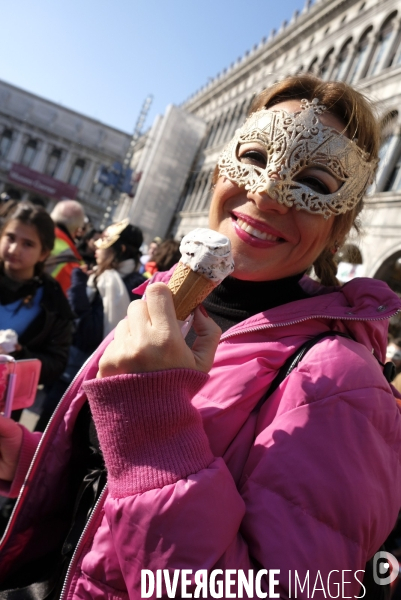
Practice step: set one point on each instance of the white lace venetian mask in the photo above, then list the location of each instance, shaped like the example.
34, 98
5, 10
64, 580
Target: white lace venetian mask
294, 142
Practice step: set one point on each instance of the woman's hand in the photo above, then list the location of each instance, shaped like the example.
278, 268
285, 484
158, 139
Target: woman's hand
10, 445
150, 339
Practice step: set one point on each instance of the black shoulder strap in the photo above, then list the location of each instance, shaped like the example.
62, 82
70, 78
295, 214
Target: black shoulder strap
294, 360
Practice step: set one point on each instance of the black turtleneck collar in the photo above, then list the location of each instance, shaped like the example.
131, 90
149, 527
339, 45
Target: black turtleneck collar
238, 300
234, 300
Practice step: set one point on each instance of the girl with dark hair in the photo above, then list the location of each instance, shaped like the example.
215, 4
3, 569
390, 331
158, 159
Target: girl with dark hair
32, 303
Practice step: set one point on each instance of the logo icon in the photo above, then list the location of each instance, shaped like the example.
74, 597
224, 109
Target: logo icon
385, 568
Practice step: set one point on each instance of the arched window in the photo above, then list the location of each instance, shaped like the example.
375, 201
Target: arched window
396, 59
77, 171
202, 188
189, 194
360, 56
5, 142
223, 126
313, 66
390, 272
242, 113
206, 192
393, 183
53, 162
389, 143
325, 67
383, 44
341, 65
215, 131
29, 152
233, 123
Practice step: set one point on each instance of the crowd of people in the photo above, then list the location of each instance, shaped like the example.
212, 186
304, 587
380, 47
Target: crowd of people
207, 456
64, 286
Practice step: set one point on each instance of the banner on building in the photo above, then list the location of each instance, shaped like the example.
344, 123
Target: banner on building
41, 183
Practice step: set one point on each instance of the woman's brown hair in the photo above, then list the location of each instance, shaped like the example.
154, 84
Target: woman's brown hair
360, 124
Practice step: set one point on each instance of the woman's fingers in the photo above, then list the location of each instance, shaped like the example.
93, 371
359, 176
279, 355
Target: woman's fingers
161, 307
208, 336
150, 338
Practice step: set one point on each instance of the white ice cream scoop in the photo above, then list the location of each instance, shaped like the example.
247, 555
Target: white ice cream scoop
208, 253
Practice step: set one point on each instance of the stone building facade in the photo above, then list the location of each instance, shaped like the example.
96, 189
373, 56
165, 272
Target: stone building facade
49, 152
358, 41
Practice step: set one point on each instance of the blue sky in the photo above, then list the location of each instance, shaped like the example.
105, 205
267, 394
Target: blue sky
103, 58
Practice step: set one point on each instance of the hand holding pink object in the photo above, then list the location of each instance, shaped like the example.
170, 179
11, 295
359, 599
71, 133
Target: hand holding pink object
150, 339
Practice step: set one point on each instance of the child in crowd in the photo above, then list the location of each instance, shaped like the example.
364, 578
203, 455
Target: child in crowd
31, 302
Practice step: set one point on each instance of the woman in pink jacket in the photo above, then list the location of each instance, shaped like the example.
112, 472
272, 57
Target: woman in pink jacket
288, 499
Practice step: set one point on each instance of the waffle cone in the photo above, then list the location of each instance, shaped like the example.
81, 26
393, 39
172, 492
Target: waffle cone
189, 290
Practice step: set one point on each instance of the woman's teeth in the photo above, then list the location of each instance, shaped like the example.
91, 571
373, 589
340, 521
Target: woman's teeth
262, 235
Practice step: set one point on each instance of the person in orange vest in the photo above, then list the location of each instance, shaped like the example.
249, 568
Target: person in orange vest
68, 217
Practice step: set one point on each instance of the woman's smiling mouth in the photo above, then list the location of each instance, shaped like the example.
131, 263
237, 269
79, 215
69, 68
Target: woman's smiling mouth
253, 232
262, 235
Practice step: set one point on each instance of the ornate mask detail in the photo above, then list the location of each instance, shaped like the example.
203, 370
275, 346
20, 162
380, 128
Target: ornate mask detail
294, 142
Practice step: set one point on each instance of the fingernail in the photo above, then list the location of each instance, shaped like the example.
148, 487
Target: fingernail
203, 310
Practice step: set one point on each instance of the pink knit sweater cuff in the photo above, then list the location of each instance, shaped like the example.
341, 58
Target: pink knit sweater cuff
149, 432
30, 442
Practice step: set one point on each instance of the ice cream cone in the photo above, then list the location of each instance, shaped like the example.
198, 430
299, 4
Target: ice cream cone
189, 289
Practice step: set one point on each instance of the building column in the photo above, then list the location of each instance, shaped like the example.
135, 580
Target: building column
65, 165
15, 151
88, 176
39, 161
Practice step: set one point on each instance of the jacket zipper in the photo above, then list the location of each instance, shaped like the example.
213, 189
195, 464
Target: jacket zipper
80, 543
227, 335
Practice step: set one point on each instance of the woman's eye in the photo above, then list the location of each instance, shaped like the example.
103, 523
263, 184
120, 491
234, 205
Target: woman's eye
315, 184
254, 157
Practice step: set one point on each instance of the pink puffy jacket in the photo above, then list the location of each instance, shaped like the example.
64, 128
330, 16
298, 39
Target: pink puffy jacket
311, 485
